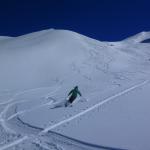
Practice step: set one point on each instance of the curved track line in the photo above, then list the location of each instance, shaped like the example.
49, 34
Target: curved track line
17, 94
76, 116
15, 102
93, 107
29, 110
25, 91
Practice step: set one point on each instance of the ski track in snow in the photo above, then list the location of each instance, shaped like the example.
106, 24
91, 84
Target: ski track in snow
13, 99
12, 102
14, 143
93, 107
29, 110
75, 116
25, 91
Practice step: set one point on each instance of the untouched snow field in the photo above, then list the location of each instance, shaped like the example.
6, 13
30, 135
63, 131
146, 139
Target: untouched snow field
39, 69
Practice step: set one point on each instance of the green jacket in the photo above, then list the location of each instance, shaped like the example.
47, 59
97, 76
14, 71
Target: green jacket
74, 92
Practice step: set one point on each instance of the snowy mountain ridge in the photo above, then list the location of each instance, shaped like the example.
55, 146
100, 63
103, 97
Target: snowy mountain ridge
139, 37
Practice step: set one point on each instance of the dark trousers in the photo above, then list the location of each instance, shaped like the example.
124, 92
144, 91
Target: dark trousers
72, 98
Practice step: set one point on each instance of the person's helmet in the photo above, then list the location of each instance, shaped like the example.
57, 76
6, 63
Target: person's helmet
76, 87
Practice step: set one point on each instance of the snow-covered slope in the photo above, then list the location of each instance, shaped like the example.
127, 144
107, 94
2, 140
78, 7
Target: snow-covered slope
42, 67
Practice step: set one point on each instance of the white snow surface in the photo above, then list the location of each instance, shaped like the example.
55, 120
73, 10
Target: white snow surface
38, 70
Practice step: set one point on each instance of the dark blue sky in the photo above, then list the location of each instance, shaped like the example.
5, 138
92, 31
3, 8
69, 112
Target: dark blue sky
101, 19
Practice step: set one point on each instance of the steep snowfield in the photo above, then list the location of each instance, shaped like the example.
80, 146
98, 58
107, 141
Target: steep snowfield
39, 69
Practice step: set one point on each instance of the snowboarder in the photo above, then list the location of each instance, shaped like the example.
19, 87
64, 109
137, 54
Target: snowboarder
73, 95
